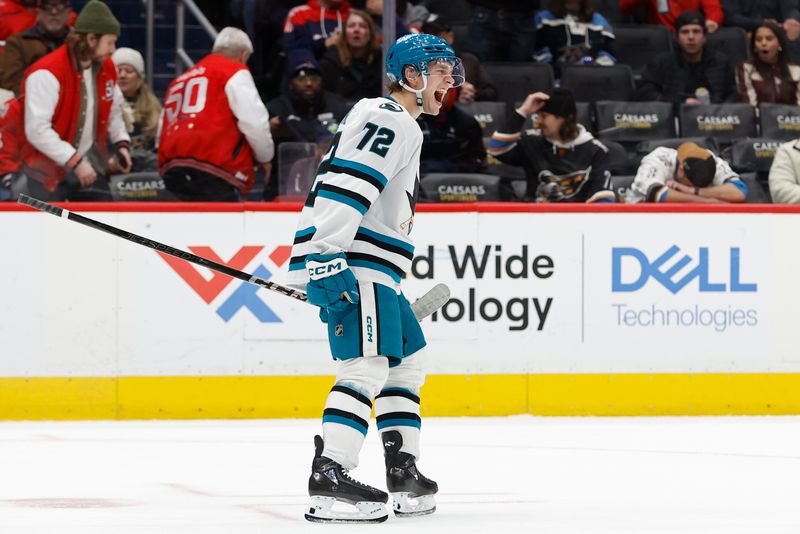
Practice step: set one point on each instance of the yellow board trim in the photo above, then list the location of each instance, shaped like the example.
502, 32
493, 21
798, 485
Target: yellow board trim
237, 397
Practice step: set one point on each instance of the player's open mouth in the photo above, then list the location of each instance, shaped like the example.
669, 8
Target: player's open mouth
439, 95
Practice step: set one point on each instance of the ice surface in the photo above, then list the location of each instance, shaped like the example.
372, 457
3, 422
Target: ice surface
728, 475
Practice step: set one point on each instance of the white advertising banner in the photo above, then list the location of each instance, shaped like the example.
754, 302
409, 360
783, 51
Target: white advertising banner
531, 293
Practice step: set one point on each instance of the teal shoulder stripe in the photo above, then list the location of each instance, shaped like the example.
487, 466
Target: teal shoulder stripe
305, 231
362, 168
387, 239
330, 195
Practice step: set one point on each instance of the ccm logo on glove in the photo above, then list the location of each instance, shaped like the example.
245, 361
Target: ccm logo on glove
317, 270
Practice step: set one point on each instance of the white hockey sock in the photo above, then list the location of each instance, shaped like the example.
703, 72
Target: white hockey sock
345, 420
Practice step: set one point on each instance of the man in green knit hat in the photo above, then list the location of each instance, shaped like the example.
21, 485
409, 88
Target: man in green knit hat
72, 112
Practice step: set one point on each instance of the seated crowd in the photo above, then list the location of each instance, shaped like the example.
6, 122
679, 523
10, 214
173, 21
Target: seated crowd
78, 116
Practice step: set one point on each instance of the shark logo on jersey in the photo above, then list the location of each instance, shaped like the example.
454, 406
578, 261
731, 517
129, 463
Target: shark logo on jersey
391, 107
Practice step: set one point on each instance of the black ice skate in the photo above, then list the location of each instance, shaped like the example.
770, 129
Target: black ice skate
412, 492
330, 484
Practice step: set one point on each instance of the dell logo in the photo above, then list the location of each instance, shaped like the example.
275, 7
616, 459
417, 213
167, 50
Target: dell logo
640, 267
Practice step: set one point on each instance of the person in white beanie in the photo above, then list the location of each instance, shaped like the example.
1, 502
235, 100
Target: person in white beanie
140, 108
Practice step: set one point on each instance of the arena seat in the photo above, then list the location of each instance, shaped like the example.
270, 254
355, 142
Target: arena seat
458, 187
752, 155
490, 115
629, 122
725, 122
516, 80
139, 187
756, 193
730, 41
617, 161
635, 45
779, 121
590, 83
620, 185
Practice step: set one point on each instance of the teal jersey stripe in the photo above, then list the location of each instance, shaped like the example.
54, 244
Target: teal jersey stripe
374, 266
388, 240
330, 195
305, 231
344, 421
399, 422
362, 168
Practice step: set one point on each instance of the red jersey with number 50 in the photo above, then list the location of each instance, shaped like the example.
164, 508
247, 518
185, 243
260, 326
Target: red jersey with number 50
199, 129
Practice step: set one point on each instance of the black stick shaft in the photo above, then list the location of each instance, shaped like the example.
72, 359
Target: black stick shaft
160, 247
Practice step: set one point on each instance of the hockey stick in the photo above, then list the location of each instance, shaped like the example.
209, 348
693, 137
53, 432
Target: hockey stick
422, 307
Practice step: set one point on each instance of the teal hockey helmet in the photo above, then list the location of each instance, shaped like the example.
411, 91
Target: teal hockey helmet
420, 51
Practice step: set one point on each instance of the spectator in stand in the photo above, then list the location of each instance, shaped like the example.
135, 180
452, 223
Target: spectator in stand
452, 141
568, 163
479, 85
769, 76
305, 112
784, 175
688, 174
375, 9
571, 31
502, 30
72, 109
690, 73
10, 130
352, 68
749, 14
312, 28
16, 16
24, 49
141, 109
215, 126
667, 12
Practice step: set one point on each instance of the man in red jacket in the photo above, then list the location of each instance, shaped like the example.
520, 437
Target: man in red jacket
10, 122
71, 112
665, 12
214, 126
15, 17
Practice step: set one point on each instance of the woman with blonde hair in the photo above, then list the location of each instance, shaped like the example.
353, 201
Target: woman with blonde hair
352, 68
140, 109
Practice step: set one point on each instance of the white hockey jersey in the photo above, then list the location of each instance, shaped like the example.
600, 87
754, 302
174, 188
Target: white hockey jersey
364, 197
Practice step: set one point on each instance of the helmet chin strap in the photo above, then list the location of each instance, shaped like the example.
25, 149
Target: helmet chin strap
418, 93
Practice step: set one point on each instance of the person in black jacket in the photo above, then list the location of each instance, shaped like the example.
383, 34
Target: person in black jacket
452, 141
749, 14
564, 163
502, 30
352, 68
304, 113
692, 72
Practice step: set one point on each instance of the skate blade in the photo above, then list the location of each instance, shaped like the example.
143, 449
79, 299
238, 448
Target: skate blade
322, 510
406, 506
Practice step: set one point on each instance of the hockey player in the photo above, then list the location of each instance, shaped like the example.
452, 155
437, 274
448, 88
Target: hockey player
350, 252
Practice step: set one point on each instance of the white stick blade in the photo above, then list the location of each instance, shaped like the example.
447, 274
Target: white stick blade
431, 301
